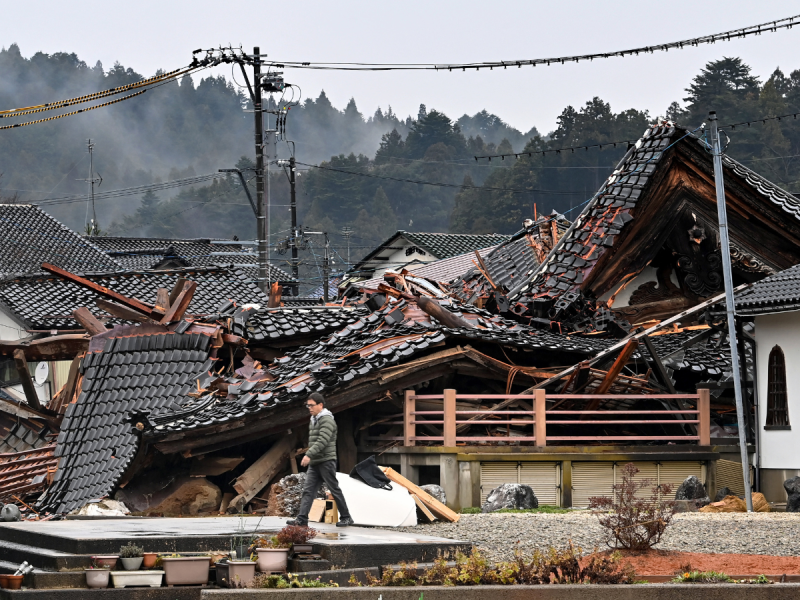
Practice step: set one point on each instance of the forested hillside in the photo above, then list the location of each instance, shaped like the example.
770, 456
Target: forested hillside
355, 171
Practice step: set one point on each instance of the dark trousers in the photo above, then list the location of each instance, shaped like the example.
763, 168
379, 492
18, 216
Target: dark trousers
315, 476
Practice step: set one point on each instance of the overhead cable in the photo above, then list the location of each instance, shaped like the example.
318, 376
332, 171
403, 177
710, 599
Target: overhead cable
768, 27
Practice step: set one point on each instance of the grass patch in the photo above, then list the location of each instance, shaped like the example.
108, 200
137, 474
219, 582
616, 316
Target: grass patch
702, 577
543, 509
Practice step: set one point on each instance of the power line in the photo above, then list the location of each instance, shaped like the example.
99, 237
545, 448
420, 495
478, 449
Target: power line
439, 184
770, 26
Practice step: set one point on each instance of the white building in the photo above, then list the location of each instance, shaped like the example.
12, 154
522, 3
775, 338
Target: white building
774, 304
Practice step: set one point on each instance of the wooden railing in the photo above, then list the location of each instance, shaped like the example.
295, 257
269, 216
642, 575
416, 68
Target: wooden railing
539, 418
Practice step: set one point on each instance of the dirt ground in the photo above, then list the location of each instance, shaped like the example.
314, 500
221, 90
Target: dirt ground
667, 562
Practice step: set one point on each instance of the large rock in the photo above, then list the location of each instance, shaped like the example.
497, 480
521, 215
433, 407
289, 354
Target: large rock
510, 495
722, 493
692, 489
102, 508
792, 487
192, 497
736, 504
284, 495
682, 506
436, 491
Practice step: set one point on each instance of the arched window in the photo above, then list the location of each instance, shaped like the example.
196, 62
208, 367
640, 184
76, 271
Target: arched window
777, 398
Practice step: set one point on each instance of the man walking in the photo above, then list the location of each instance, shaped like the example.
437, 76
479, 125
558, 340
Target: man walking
321, 462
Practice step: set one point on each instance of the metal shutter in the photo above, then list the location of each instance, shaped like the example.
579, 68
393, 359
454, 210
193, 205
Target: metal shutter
494, 474
675, 472
545, 480
729, 474
591, 479
647, 470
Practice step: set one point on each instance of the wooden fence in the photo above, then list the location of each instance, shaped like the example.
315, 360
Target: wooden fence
453, 420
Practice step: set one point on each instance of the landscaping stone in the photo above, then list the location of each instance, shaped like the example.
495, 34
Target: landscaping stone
510, 495
722, 493
682, 506
191, 496
436, 491
692, 489
792, 487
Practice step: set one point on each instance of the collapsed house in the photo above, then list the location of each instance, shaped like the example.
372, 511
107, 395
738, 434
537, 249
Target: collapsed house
564, 350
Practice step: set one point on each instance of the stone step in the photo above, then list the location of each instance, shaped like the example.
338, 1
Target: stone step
46, 559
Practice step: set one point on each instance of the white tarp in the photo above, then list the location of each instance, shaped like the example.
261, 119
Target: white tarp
378, 507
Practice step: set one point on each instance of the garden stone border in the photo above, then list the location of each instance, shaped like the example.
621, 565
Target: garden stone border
653, 591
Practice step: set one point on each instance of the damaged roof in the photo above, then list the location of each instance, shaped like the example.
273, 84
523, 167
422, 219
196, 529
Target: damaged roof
47, 301
131, 374
29, 237
139, 254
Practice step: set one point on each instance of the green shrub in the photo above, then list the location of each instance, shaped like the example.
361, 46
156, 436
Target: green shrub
264, 580
702, 577
131, 551
544, 509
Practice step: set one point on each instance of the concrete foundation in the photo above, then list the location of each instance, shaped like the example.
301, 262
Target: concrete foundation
772, 483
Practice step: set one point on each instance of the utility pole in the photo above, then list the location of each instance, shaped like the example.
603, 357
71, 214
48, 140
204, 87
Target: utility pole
93, 228
262, 215
730, 307
293, 203
347, 231
326, 269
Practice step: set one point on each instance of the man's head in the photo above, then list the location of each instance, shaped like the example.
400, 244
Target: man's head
315, 403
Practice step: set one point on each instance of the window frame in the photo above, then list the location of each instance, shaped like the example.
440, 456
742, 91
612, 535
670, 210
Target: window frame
777, 392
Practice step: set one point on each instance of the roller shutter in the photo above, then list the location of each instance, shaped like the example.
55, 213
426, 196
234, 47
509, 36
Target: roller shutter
675, 472
494, 474
545, 480
729, 474
543, 477
591, 479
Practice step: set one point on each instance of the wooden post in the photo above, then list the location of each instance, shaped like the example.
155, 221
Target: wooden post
704, 417
27, 382
409, 428
540, 405
449, 405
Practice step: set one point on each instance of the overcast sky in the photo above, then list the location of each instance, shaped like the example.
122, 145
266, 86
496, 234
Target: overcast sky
148, 34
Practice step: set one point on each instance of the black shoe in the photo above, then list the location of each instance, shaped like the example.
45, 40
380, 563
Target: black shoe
298, 522
345, 522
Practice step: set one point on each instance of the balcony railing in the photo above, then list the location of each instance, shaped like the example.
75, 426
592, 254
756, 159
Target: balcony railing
537, 420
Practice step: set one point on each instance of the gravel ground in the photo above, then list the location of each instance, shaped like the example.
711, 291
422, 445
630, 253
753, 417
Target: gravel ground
741, 533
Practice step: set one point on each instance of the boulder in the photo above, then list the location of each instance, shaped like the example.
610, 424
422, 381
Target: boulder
736, 504
510, 495
692, 489
682, 506
792, 487
102, 508
284, 495
726, 491
436, 491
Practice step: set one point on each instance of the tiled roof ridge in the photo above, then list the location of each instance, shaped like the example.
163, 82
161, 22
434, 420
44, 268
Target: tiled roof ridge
126, 273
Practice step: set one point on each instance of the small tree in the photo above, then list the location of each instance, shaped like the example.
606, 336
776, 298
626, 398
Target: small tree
631, 520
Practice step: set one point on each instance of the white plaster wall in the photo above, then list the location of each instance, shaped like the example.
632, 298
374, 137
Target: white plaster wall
10, 328
779, 449
624, 297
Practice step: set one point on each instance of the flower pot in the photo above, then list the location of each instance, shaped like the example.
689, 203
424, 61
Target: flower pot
137, 578
97, 578
107, 560
4, 581
149, 560
15, 582
301, 548
132, 564
186, 570
240, 573
272, 560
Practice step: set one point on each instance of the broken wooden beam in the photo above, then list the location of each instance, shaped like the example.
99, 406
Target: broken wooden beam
176, 289
444, 316
178, 308
423, 509
57, 347
432, 503
259, 474
99, 289
123, 312
162, 301
25, 379
275, 293
616, 368
88, 321
660, 369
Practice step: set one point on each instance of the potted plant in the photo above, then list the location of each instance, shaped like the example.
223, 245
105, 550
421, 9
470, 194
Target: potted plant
236, 573
297, 537
132, 557
150, 559
186, 570
105, 560
242, 543
151, 578
273, 555
97, 576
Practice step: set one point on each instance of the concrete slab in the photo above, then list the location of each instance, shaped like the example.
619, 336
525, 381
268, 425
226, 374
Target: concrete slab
344, 547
